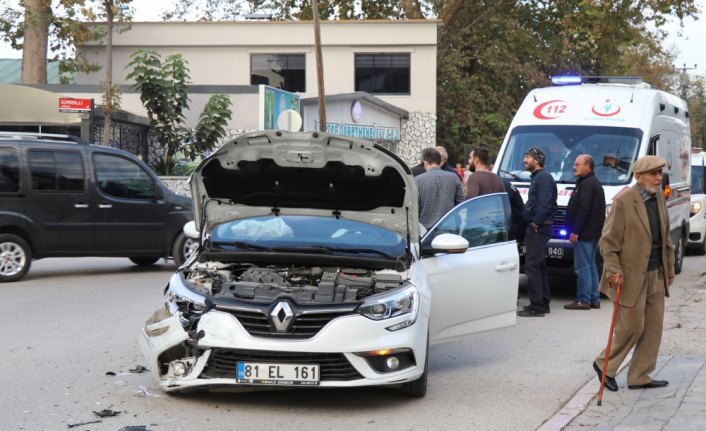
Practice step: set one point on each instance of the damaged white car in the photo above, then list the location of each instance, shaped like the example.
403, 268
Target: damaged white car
311, 271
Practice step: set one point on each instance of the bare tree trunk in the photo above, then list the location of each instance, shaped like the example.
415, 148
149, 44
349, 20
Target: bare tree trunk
412, 9
36, 41
108, 99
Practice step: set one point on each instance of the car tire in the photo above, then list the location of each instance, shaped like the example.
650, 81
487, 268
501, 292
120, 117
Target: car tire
679, 254
144, 260
417, 388
183, 248
15, 257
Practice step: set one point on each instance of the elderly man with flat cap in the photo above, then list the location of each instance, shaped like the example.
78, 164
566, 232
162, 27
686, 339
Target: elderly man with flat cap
637, 252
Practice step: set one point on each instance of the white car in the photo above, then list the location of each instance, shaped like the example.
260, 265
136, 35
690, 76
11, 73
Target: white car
697, 220
311, 271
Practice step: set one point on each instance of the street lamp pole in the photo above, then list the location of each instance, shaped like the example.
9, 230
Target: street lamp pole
319, 66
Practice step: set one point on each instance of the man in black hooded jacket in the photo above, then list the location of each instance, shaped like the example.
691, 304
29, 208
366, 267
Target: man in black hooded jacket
585, 215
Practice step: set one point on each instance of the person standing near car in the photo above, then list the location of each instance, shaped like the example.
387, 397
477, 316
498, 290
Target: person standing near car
585, 215
539, 215
482, 182
439, 190
638, 254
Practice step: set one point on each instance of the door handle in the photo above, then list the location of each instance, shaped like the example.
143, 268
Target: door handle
105, 206
505, 266
80, 205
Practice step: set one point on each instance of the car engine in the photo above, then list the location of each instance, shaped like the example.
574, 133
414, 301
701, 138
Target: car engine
306, 285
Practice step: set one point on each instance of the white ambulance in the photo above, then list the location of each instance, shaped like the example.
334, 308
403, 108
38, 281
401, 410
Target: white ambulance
616, 121
697, 222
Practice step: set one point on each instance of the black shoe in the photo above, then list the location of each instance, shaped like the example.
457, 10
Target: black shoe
610, 382
652, 384
543, 308
596, 305
530, 312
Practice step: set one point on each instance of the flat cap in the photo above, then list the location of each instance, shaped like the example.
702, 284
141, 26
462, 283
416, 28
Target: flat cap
648, 163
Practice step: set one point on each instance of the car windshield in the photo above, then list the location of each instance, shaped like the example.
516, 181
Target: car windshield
613, 149
697, 179
327, 235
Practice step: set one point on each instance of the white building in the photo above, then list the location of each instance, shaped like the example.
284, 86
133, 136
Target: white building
392, 61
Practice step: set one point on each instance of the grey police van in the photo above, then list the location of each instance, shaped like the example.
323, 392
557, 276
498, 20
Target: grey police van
63, 197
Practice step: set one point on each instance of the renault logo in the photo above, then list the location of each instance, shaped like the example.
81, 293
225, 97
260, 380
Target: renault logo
282, 316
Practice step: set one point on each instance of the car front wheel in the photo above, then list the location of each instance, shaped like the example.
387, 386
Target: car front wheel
15, 257
417, 388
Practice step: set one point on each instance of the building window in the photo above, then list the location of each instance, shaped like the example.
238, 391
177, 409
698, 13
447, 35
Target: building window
283, 71
382, 73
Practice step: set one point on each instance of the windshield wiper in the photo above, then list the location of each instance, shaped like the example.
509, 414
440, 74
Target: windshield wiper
241, 244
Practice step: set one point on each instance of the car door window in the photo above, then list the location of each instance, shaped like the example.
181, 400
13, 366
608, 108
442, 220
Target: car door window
123, 178
56, 171
9, 171
482, 220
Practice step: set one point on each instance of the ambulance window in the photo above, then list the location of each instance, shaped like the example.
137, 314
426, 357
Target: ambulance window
652, 148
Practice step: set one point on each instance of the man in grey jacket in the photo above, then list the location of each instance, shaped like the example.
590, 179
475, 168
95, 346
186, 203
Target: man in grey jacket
439, 190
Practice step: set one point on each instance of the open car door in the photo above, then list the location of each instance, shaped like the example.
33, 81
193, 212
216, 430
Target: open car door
475, 290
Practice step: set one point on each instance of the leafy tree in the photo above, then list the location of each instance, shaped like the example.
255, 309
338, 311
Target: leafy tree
53, 29
163, 87
697, 111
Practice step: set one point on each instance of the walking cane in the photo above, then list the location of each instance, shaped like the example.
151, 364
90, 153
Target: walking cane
618, 288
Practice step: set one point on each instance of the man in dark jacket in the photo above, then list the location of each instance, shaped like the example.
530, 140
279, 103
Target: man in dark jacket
539, 215
585, 216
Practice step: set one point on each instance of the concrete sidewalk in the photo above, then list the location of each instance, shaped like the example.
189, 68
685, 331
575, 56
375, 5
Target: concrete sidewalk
680, 406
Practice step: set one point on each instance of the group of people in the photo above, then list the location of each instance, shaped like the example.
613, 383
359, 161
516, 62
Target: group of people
633, 239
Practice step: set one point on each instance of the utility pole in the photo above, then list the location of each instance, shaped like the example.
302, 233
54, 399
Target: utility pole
684, 80
319, 66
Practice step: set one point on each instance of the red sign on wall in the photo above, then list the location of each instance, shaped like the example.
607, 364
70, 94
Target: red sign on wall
69, 104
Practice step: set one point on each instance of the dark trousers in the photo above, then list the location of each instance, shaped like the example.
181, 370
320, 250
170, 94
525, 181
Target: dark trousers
535, 264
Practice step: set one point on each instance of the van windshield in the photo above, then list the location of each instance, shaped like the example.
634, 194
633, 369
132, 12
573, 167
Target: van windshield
613, 149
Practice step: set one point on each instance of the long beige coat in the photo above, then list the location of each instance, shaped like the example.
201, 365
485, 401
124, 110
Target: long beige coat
625, 245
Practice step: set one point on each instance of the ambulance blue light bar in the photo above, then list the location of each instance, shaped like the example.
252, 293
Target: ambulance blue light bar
566, 80
577, 80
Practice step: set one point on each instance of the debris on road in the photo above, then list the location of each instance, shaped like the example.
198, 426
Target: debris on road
78, 424
134, 428
106, 413
138, 369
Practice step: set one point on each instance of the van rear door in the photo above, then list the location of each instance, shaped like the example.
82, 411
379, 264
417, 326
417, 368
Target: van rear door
131, 214
59, 203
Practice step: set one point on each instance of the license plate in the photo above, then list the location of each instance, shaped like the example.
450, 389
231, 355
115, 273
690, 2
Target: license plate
277, 374
555, 252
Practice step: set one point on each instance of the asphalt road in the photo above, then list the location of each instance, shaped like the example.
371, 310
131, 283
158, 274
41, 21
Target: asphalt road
70, 321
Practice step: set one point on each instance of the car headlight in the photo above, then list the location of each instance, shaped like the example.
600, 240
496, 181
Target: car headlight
393, 304
694, 209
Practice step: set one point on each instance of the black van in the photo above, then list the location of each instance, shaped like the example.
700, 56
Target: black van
62, 197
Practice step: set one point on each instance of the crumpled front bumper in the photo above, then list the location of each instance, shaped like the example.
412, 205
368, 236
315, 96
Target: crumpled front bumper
163, 338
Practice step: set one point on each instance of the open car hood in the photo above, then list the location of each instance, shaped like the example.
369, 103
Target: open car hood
312, 173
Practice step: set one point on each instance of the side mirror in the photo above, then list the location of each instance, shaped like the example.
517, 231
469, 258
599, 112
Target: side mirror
666, 188
446, 243
190, 230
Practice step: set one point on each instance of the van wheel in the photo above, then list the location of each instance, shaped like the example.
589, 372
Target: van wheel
144, 261
679, 255
183, 248
15, 257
